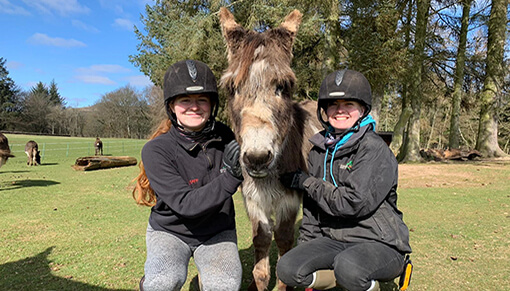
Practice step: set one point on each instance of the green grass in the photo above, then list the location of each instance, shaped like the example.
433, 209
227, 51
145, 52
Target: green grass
72, 230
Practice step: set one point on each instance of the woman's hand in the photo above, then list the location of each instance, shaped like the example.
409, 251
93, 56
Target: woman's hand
294, 180
231, 159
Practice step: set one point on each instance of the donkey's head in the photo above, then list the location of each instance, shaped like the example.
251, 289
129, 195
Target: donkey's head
260, 83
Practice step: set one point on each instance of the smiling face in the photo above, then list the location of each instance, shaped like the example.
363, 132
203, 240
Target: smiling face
343, 114
192, 111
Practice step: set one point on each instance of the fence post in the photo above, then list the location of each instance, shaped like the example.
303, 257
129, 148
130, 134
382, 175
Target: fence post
67, 152
43, 149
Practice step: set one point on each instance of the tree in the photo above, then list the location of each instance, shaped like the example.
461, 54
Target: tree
487, 138
54, 95
40, 89
35, 112
454, 137
374, 44
9, 94
121, 113
412, 145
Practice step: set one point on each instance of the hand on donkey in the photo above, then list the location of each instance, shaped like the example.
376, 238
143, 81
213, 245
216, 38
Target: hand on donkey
231, 159
294, 180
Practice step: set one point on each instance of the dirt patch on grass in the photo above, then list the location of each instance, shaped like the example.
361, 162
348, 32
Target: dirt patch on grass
453, 174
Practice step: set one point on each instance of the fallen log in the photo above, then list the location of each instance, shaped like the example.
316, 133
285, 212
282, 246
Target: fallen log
102, 162
449, 154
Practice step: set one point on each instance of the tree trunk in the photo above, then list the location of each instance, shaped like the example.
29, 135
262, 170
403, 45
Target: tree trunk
412, 145
398, 132
454, 138
487, 139
376, 108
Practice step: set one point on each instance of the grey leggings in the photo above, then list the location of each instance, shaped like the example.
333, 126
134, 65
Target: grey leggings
217, 261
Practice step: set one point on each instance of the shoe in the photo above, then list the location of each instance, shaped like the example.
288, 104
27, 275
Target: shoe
141, 282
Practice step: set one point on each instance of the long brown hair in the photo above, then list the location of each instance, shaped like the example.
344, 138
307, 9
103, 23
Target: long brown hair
143, 193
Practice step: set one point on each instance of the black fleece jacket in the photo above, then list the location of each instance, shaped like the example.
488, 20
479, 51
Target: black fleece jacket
193, 190
363, 205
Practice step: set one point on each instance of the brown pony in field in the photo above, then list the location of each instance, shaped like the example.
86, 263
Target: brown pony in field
5, 151
33, 153
98, 145
271, 128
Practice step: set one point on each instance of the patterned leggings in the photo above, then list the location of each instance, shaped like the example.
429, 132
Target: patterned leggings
217, 261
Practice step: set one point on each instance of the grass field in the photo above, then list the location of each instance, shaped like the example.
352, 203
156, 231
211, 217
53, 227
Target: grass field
72, 230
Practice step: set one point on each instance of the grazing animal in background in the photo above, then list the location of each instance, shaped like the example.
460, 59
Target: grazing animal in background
271, 128
5, 151
33, 153
98, 144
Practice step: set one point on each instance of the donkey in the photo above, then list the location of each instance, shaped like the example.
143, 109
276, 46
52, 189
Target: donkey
5, 151
98, 144
33, 153
271, 129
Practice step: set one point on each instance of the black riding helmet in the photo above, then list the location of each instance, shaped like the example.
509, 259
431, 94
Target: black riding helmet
190, 77
345, 85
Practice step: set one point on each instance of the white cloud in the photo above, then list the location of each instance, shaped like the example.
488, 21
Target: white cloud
62, 7
8, 8
43, 39
91, 79
84, 26
104, 68
13, 65
124, 24
139, 81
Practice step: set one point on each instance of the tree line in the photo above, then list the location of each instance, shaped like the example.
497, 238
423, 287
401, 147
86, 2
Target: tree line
438, 69
122, 113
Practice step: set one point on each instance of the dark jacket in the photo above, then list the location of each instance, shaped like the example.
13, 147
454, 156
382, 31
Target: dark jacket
193, 191
364, 205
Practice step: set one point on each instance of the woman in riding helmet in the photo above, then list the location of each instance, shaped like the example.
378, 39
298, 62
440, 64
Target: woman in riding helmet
189, 172
352, 232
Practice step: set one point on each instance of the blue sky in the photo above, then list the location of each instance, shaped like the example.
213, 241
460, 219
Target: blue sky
84, 45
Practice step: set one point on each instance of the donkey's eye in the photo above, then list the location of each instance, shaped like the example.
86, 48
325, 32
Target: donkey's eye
279, 90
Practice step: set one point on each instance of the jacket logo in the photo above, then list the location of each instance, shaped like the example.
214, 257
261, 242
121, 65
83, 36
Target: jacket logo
192, 181
347, 166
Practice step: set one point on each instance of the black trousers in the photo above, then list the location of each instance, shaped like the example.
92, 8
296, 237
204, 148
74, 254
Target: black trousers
355, 264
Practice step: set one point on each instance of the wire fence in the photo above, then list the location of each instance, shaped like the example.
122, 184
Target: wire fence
72, 149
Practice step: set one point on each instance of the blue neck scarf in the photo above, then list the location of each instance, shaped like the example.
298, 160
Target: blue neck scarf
365, 122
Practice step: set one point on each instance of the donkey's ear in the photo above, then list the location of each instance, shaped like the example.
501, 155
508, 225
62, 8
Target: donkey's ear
292, 21
286, 32
232, 32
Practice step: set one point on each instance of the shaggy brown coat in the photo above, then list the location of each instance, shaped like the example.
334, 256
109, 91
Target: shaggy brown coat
271, 129
5, 151
33, 153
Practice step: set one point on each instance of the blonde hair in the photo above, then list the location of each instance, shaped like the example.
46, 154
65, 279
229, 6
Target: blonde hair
143, 193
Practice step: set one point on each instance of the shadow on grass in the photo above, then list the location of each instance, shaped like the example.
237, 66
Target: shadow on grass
14, 172
49, 164
34, 273
26, 183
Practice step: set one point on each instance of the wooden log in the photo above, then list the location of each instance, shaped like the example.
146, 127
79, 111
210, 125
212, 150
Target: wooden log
103, 162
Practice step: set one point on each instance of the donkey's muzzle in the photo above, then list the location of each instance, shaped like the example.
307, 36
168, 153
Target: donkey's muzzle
257, 163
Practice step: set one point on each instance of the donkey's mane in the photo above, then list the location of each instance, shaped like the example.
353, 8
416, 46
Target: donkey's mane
271, 46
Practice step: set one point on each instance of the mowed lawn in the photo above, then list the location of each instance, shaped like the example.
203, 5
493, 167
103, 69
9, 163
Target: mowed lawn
73, 230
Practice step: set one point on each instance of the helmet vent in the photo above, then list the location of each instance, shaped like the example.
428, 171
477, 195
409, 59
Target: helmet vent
194, 88
339, 77
192, 69
337, 94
